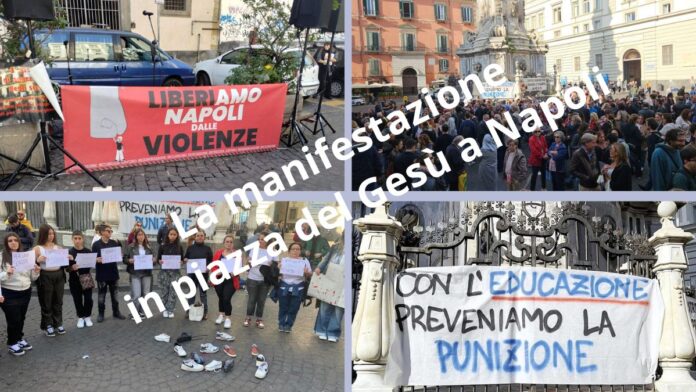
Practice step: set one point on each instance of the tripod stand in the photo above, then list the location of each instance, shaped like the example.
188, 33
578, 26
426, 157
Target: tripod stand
294, 125
319, 120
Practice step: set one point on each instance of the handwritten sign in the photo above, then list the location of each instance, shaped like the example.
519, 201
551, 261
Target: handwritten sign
328, 287
86, 260
200, 265
232, 263
56, 258
111, 255
292, 267
142, 262
23, 261
171, 262
494, 325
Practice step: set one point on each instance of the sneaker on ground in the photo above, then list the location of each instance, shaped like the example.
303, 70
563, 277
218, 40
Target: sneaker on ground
100, 318
219, 319
247, 321
224, 336
260, 324
228, 365
208, 348
171, 314
333, 339
213, 366
88, 322
230, 351
228, 324
197, 358
260, 359
24, 345
16, 350
165, 314
163, 337
179, 350
50, 332
61, 330
190, 365
262, 371
81, 323
322, 337
255, 350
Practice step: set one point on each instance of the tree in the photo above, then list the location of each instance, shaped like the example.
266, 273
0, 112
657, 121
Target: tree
13, 40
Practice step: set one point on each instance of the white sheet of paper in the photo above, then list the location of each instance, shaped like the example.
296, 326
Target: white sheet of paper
23, 261
171, 262
200, 266
292, 267
111, 255
56, 258
86, 260
232, 263
142, 262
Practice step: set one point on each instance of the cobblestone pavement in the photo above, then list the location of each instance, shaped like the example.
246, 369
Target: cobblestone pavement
124, 356
218, 174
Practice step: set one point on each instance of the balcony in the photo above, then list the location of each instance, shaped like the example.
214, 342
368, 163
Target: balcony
371, 49
407, 49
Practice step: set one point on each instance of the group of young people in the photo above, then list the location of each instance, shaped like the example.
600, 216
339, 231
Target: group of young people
288, 290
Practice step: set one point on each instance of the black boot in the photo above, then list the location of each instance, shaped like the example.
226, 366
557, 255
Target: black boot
100, 318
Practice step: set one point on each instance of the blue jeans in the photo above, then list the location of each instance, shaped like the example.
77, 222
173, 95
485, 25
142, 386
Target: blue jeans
289, 301
329, 320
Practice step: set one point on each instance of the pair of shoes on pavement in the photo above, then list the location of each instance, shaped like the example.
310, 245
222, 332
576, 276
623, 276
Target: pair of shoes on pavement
163, 337
227, 322
167, 314
19, 348
84, 322
261, 367
191, 365
224, 337
51, 332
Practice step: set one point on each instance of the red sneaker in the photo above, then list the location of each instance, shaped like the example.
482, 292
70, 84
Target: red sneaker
230, 351
255, 350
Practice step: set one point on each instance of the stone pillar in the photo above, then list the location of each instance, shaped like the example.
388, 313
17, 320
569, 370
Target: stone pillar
96, 217
3, 211
224, 215
678, 341
111, 215
374, 315
49, 213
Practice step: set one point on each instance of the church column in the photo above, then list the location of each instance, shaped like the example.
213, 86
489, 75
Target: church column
49, 213
374, 315
678, 341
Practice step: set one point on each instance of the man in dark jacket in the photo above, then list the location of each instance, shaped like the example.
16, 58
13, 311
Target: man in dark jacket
164, 229
107, 274
584, 164
25, 235
685, 178
666, 161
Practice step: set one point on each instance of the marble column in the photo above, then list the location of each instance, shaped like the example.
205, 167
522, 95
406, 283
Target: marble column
374, 315
678, 341
224, 216
3, 211
111, 215
49, 213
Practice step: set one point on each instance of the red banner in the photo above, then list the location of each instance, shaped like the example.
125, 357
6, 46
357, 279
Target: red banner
110, 127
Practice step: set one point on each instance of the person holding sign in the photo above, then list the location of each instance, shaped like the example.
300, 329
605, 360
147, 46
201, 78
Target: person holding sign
202, 255
293, 271
80, 281
329, 317
258, 282
51, 283
107, 273
170, 247
140, 279
16, 294
226, 289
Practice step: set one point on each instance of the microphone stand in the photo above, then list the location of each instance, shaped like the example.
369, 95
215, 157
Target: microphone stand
67, 56
294, 125
153, 49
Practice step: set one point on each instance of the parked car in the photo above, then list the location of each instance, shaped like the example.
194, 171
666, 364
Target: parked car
109, 58
337, 80
357, 100
214, 71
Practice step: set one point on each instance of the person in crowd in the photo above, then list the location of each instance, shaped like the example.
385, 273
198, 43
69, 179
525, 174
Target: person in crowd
326, 59
259, 280
22, 216
684, 120
199, 250
515, 167
292, 289
52, 283
685, 178
170, 247
141, 279
306, 230
584, 164
634, 138
618, 174
16, 294
457, 175
537, 158
666, 161
228, 287
14, 225
131, 236
330, 317
80, 282
97, 237
406, 158
107, 274
164, 229
558, 156
654, 137
487, 173
315, 249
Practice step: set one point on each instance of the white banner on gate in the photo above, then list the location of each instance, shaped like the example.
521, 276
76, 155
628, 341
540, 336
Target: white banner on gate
496, 325
152, 214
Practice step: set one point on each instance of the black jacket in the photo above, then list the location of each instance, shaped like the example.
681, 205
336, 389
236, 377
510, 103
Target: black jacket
621, 178
199, 251
584, 168
74, 275
25, 235
106, 272
131, 251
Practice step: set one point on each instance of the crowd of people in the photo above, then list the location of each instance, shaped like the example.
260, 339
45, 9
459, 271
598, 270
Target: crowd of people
608, 144
260, 282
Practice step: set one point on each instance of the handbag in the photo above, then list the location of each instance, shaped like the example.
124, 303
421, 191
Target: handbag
196, 312
86, 281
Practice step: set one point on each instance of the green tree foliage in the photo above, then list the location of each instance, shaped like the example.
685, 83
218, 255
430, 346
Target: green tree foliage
12, 40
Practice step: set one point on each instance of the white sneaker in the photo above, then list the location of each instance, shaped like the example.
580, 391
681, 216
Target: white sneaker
171, 314
213, 366
228, 324
224, 336
333, 339
262, 371
190, 365
218, 320
207, 348
88, 322
180, 351
322, 337
165, 314
81, 323
260, 359
163, 337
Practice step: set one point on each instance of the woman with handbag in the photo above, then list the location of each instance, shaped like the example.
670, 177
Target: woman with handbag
81, 282
258, 282
227, 288
140, 280
199, 250
170, 247
292, 289
16, 293
52, 281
